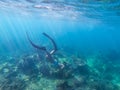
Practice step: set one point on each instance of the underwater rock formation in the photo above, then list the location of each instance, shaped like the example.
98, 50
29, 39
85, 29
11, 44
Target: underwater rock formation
27, 65
31, 74
45, 70
14, 84
64, 86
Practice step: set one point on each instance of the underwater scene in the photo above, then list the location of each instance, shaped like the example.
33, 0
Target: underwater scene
59, 45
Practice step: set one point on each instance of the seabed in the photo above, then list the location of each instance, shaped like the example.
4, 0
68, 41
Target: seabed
28, 72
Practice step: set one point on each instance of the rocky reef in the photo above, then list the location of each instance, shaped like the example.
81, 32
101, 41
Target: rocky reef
28, 72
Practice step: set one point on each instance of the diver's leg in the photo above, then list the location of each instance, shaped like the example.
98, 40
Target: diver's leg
34, 45
54, 44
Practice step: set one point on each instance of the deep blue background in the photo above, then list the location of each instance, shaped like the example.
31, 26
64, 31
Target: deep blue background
96, 30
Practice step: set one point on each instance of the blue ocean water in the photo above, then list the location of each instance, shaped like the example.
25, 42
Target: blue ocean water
86, 27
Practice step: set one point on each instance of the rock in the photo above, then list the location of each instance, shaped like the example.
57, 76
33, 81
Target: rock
5, 70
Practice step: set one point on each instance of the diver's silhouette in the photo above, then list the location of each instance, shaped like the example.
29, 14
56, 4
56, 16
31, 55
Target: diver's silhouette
43, 48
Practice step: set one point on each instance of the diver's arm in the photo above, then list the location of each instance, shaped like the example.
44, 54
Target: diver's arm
54, 44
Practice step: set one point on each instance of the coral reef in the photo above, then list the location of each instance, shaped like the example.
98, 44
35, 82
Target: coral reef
27, 72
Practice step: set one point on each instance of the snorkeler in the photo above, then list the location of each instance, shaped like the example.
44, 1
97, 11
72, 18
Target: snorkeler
48, 54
